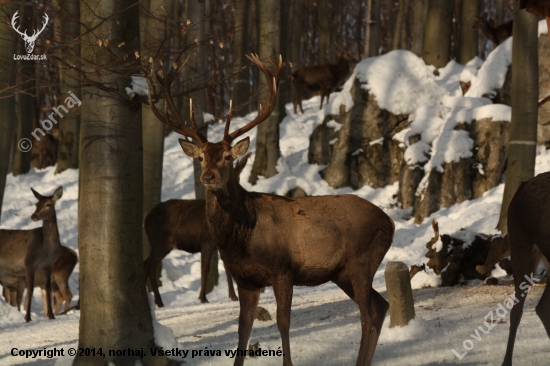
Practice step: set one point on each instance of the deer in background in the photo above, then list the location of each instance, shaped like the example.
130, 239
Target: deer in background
181, 224
24, 252
529, 235
270, 240
324, 78
498, 34
61, 271
44, 151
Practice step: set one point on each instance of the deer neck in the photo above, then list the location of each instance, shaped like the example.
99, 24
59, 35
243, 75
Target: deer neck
51, 232
489, 31
231, 214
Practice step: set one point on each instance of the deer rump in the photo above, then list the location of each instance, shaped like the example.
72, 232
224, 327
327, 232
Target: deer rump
321, 234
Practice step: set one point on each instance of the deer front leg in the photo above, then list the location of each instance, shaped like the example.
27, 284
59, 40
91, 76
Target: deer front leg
230, 287
48, 279
207, 250
248, 302
282, 288
30, 287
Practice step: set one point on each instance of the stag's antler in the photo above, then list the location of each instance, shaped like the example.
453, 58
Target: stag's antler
165, 83
271, 100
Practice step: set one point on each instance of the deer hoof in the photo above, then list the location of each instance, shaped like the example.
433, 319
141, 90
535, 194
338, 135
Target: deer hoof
27, 318
234, 298
203, 300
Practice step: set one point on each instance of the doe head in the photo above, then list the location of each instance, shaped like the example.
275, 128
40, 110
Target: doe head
45, 207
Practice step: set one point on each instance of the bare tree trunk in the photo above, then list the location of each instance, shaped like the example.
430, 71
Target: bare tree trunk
7, 101
468, 35
499, 7
69, 79
285, 42
296, 22
420, 11
323, 19
241, 84
26, 104
372, 34
267, 141
400, 26
115, 311
525, 92
437, 35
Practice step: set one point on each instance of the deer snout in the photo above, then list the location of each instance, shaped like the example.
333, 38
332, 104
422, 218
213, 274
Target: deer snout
34, 217
208, 177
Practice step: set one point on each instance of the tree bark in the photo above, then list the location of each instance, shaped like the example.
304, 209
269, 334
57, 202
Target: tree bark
69, 79
115, 311
525, 93
372, 33
323, 20
241, 84
499, 7
468, 35
420, 10
7, 100
399, 34
26, 103
437, 35
267, 141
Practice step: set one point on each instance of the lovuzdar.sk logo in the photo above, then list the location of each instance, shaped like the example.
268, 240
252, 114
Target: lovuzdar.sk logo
29, 40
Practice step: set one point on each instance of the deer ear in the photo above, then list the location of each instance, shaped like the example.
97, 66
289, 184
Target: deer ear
57, 194
189, 148
240, 148
241, 164
36, 194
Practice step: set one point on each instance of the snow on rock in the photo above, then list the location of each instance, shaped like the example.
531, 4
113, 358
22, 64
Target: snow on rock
423, 280
9, 315
416, 328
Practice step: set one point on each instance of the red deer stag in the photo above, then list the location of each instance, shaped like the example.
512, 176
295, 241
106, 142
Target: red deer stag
61, 271
540, 8
324, 78
24, 252
181, 224
529, 235
270, 240
496, 35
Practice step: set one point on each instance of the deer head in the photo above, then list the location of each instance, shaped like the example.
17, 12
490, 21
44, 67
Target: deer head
217, 158
29, 40
45, 206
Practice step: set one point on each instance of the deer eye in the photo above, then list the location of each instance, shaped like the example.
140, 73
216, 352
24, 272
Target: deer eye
228, 157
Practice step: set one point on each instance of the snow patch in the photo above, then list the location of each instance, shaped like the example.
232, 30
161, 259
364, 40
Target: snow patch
416, 328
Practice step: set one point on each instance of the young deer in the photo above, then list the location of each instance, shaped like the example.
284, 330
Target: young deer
496, 35
529, 235
181, 224
324, 77
270, 240
24, 252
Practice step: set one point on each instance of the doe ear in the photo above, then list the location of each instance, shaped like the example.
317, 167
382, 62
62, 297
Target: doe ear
57, 194
189, 148
36, 194
240, 148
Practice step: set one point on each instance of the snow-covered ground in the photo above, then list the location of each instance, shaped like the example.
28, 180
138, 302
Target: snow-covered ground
325, 327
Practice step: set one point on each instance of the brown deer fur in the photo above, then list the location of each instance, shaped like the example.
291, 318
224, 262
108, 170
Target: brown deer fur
496, 35
24, 252
270, 240
61, 271
540, 8
181, 224
324, 78
529, 235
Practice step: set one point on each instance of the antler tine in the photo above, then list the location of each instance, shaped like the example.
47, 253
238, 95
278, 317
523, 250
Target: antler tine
271, 100
228, 122
180, 128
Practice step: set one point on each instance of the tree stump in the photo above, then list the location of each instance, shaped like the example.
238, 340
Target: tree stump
399, 291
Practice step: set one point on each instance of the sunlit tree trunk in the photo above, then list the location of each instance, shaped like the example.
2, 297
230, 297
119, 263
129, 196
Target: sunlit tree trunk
114, 309
372, 34
468, 35
241, 83
437, 36
525, 92
420, 10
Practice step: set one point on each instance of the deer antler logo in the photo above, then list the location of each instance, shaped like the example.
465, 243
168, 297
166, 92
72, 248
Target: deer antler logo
29, 40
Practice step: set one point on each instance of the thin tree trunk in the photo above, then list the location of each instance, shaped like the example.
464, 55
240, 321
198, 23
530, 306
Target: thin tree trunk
267, 141
69, 79
295, 33
400, 25
372, 36
420, 10
499, 7
7, 101
525, 92
285, 81
437, 35
468, 35
323, 19
114, 307
241, 83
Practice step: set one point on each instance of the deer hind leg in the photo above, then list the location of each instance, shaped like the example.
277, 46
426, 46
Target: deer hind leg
248, 301
43, 291
523, 264
150, 266
30, 287
543, 307
62, 293
48, 279
230, 287
207, 250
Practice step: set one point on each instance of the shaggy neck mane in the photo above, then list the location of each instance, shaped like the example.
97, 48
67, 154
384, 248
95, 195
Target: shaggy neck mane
230, 212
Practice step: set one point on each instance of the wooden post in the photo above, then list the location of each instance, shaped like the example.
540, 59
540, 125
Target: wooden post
399, 291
